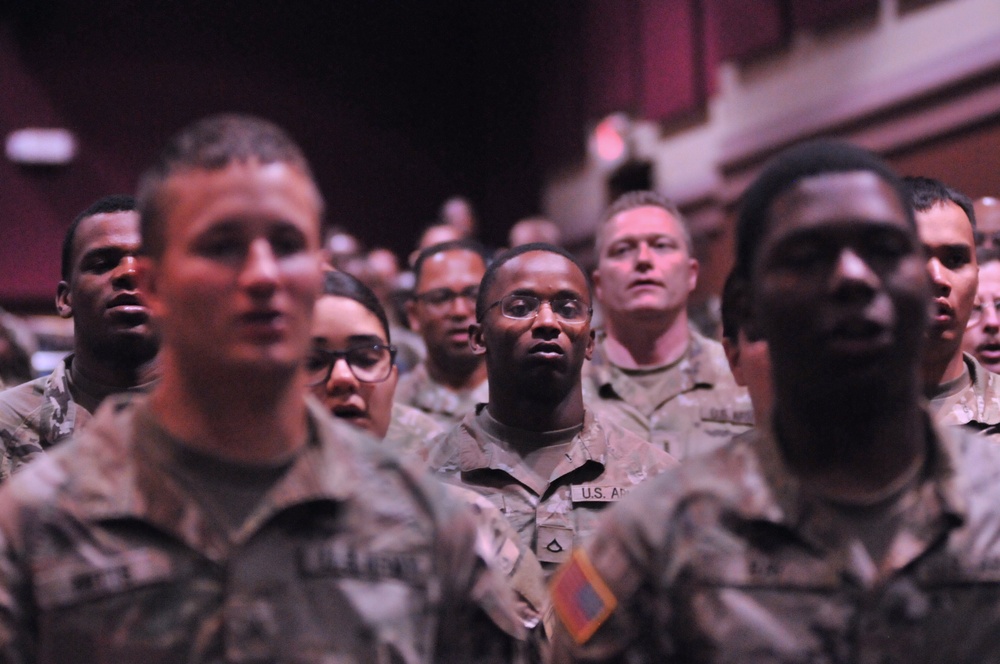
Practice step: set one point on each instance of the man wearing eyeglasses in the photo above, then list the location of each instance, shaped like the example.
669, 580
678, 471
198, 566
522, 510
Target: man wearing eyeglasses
982, 336
652, 371
960, 390
452, 378
545, 460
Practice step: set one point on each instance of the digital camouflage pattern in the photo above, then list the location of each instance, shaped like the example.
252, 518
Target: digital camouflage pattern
35, 416
603, 464
349, 557
728, 559
411, 431
419, 390
699, 408
977, 406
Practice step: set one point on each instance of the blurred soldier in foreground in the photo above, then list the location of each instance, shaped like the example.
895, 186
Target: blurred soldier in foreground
225, 518
852, 530
960, 390
982, 336
652, 372
545, 461
452, 379
114, 346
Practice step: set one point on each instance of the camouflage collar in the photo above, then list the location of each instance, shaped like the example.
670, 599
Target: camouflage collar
477, 450
977, 405
120, 472
784, 502
56, 417
694, 369
433, 397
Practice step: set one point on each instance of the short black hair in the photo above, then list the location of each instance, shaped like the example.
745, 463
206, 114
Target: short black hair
805, 160
104, 205
212, 144
341, 284
925, 193
643, 198
491, 271
440, 248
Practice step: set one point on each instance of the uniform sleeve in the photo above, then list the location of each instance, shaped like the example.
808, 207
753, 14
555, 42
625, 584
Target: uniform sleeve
603, 601
480, 620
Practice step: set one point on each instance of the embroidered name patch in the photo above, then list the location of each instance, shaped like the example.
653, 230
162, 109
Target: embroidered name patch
597, 493
76, 581
581, 598
340, 559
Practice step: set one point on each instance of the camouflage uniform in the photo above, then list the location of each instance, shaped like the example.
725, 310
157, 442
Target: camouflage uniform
603, 464
700, 409
419, 390
977, 406
35, 416
411, 431
728, 559
349, 557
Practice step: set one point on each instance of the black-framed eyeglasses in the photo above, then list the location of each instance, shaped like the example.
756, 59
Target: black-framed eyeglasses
441, 298
525, 307
370, 363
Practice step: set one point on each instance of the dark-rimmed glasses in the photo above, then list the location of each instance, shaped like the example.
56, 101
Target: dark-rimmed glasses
370, 363
526, 307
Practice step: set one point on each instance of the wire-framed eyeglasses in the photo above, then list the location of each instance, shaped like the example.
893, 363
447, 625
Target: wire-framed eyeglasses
370, 363
526, 307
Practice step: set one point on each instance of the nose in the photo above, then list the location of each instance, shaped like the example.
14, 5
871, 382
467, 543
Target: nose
123, 275
939, 276
991, 320
852, 276
341, 377
461, 307
644, 255
260, 268
545, 323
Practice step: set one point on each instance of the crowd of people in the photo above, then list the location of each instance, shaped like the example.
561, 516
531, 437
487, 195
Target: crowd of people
267, 446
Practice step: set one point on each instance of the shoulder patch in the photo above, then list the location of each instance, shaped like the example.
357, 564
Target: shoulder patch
581, 598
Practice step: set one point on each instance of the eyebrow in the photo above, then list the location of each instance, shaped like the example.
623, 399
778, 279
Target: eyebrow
563, 294
354, 340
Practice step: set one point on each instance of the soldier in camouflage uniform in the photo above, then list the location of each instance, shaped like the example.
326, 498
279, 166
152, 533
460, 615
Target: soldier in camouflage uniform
452, 379
114, 346
960, 389
652, 372
352, 372
223, 518
855, 529
549, 465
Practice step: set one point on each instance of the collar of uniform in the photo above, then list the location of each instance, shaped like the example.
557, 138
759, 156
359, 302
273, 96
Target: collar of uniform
689, 370
939, 491
120, 473
986, 389
477, 450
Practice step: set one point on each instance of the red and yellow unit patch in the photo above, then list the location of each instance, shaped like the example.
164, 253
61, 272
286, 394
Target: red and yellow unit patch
581, 598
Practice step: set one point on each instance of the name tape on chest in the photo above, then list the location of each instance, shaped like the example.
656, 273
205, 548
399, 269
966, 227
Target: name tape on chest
342, 560
75, 581
597, 493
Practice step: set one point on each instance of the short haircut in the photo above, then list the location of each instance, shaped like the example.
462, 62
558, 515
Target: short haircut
925, 193
112, 203
482, 304
806, 160
341, 284
453, 245
642, 198
212, 144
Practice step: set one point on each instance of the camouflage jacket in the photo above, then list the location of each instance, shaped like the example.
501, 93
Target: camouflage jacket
700, 408
35, 416
105, 556
602, 465
419, 390
728, 559
977, 406
411, 431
